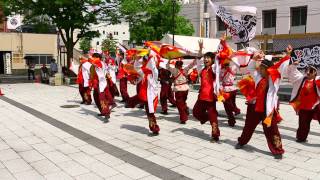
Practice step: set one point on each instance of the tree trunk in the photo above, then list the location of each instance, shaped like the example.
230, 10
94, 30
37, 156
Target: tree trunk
69, 47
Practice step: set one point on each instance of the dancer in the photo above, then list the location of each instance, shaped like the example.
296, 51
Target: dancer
263, 108
147, 94
305, 97
205, 107
122, 76
83, 81
101, 92
181, 87
166, 90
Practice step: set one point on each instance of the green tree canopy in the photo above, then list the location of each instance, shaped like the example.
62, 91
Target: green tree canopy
72, 18
109, 44
85, 44
152, 19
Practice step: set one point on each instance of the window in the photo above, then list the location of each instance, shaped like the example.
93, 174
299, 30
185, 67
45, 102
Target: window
104, 32
40, 58
269, 18
299, 16
124, 33
220, 24
98, 43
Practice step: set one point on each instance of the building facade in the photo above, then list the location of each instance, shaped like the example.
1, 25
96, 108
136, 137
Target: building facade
119, 32
15, 46
278, 22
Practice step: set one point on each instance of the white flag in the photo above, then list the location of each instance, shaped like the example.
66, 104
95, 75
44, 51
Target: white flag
14, 22
241, 21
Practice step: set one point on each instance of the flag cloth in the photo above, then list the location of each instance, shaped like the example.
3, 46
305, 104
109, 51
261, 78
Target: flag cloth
240, 20
308, 55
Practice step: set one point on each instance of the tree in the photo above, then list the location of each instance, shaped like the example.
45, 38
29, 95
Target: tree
109, 44
1, 12
72, 18
152, 19
85, 44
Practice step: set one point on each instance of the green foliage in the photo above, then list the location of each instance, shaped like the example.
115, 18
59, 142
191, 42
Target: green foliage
69, 16
109, 44
85, 45
152, 19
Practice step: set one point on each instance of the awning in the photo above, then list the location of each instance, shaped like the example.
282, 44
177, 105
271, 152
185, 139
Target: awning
191, 43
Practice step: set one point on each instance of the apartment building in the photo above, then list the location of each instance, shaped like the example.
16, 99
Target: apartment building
279, 22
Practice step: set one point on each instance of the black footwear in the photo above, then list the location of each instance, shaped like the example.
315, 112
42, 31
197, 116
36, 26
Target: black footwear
238, 146
182, 122
127, 106
100, 115
301, 141
231, 123
214, 139
173, 105
106, 118
82, 102
164, 113
278, 156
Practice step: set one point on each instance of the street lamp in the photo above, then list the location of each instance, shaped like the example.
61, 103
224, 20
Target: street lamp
173, 20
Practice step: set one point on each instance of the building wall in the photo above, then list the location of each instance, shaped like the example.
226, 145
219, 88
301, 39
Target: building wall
283, 21
120, 32
21, 44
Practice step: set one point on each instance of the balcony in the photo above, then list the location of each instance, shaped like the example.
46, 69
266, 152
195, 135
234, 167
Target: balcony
268, 31
297, 29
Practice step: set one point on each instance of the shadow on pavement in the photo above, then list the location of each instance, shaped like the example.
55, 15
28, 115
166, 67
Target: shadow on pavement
138, 129
92, 113
201, 135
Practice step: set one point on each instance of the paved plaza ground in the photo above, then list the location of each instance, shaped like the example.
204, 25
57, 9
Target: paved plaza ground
41, 140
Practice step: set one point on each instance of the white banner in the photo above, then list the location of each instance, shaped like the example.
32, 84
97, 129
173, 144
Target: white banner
241, 21
14, 22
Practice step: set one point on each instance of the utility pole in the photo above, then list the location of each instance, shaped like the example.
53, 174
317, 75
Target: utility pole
173, 20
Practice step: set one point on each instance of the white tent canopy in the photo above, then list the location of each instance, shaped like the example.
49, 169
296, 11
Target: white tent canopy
191, 43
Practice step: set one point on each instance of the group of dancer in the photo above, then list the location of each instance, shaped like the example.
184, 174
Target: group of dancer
146, 68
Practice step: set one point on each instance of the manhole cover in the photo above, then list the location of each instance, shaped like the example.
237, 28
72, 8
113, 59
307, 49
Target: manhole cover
70, 106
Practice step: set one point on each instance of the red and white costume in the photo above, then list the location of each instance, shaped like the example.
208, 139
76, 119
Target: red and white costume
227, 78
205, 108
305, 99
148, 90
101, 93
83, 81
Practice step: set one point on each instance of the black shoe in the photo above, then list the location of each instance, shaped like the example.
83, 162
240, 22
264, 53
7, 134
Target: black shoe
214, 139
106, 118
182, 122
82, 102
301, 141
232, 123
278, 156
173, 105
164, 113
100, 115
127, 106
238, 146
